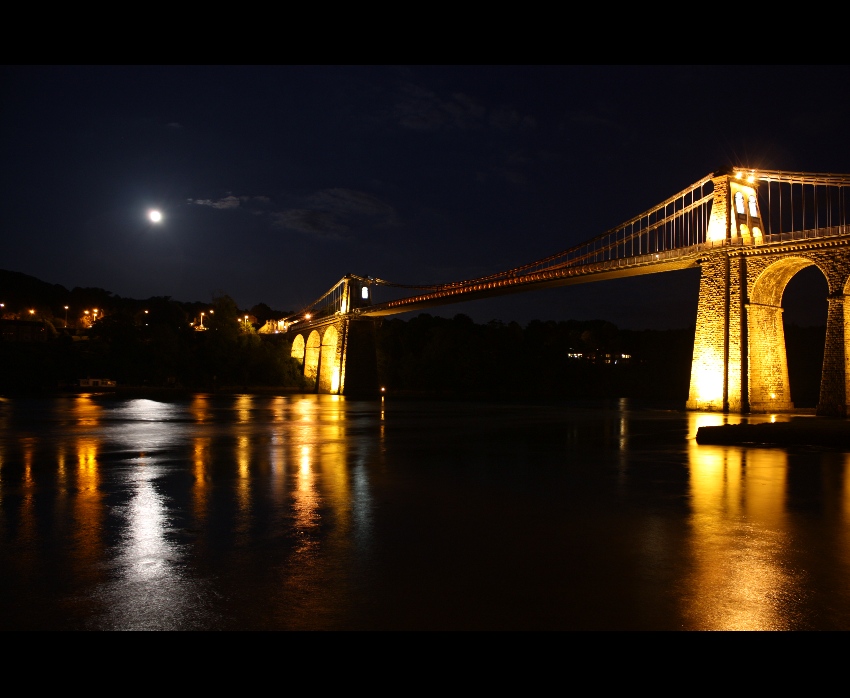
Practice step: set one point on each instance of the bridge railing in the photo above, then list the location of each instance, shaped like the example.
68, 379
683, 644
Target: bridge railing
796, 201
792, 236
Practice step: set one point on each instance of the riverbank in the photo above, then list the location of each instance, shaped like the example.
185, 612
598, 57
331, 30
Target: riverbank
824, 432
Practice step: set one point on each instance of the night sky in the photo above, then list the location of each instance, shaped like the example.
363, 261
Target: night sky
276, 181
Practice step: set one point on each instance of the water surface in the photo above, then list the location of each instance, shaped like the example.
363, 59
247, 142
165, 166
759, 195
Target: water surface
316, 512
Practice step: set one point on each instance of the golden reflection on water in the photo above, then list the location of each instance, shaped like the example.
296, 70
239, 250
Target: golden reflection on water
28, 517
306, 421
200, 463
243, 481
279, 407
200, 408
277, 459
321, 507
741, 577
86, 411
88, 504
333, 448
306, 498
27, 446
244, 404
61, 470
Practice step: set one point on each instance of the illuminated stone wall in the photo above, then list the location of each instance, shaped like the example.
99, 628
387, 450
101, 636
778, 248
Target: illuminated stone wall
769, 387
740, 363
833, 386
708, 370
339, 356
718, 224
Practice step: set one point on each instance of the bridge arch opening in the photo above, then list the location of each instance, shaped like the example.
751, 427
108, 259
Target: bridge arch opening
311, 359
329, 369
297, 351
805, 314
783, 373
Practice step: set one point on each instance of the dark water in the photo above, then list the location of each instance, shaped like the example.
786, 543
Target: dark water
323, 513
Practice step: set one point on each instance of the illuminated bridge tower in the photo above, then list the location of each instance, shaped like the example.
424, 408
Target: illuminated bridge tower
719, 369
739, 361
334, 345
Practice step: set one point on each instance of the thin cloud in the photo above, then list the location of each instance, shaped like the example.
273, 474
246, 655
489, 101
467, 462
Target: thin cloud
318, 224
420, 109
328, 214
225, 203
350, 201
230, 202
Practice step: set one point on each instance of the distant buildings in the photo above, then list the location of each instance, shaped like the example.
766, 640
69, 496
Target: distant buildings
599, 357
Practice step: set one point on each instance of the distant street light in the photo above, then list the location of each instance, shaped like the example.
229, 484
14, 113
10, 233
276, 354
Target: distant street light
66, 317
202, 320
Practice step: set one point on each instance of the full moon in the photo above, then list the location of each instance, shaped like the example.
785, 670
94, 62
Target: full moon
155, 216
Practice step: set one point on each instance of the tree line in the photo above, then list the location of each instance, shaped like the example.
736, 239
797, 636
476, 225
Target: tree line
155, 343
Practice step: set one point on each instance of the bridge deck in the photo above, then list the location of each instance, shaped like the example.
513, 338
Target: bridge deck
670, 260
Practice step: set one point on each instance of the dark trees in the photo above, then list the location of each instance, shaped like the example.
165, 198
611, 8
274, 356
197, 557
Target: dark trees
568, 359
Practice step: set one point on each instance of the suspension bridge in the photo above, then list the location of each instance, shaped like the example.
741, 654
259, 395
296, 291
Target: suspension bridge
749, 231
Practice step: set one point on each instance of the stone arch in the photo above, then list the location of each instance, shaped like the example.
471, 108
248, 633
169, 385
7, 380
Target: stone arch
329, 364
769, 388
297, 352
311, 358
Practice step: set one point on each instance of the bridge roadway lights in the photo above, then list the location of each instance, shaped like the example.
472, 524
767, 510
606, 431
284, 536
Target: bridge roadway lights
338, 356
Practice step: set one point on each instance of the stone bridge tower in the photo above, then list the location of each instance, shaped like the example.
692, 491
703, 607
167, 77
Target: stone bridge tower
739, 361
337, 350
